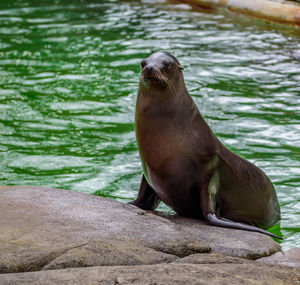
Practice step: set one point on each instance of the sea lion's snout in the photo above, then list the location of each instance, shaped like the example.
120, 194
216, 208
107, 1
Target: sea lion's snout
149, 68
148, 71
151, 74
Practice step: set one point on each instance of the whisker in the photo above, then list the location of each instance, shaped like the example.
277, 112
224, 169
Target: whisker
163, 79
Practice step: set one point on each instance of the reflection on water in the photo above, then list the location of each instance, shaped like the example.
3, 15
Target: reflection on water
69, 77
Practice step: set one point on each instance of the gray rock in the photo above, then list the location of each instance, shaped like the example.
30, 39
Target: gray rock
160, 274
52, 228
290, 258
232, 242
43, 228
108, 253
211, 258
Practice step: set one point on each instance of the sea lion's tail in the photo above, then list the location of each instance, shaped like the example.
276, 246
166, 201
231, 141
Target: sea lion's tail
221, 222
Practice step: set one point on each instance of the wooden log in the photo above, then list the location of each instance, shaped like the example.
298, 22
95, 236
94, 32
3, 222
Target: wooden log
282, 12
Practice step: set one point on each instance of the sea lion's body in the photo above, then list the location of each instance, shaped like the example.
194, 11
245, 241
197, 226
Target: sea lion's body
184, 163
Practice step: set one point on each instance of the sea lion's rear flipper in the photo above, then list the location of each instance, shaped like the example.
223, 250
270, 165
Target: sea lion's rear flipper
209, 209
214, 220
147, 198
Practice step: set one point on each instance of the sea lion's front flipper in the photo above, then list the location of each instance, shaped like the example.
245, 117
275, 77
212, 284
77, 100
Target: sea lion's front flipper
147, 198
214, 220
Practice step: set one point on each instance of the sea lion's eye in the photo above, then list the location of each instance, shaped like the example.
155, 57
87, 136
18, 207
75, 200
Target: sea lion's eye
143, 63
166, 63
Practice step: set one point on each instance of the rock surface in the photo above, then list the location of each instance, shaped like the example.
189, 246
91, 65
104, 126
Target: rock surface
237, 243
290, 258
211, 258
160, 274
43, 229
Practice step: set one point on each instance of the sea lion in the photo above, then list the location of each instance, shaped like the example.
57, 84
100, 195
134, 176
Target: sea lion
184, 163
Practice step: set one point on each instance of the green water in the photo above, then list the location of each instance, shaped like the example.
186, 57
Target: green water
69, 74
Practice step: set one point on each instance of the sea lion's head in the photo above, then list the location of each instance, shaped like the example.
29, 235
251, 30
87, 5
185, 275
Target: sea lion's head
161, 71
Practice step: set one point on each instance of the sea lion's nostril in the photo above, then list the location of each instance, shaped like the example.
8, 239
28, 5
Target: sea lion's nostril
149, 68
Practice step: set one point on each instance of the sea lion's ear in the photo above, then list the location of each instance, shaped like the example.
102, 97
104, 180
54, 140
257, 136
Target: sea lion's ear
180, 67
